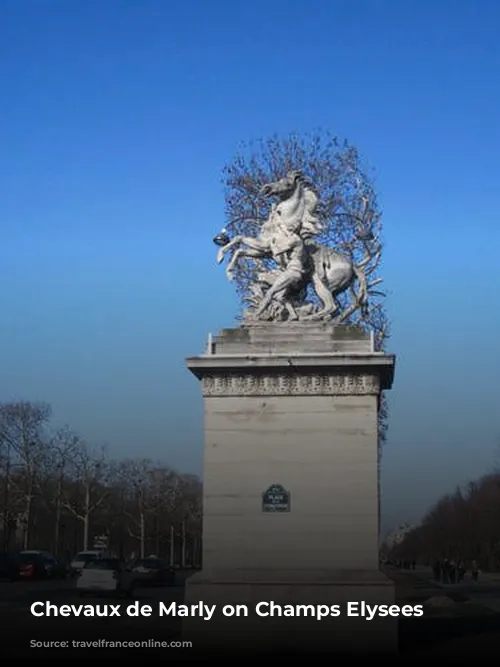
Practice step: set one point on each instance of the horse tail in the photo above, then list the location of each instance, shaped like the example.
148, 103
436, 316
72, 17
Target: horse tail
362, 296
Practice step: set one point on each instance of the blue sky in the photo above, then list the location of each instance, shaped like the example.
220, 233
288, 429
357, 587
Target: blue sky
115, 121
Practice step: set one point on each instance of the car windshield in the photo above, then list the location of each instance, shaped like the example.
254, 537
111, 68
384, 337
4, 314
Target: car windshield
153, 563
86, 557
104, 564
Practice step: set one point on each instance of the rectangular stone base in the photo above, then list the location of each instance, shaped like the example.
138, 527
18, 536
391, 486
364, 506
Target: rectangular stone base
241, 634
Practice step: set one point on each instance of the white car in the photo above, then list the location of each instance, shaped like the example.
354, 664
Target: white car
106, 575
81, 559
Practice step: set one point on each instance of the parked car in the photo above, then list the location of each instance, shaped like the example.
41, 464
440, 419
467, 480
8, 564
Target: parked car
106, 575
82, 558
40, 565
153, 571
9, 566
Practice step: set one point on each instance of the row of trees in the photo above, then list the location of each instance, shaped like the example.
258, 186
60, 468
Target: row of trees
59, 493
463, 525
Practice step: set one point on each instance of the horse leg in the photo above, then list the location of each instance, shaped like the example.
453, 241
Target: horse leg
232, 262
225, 249
241, 252
330, 306
248, 241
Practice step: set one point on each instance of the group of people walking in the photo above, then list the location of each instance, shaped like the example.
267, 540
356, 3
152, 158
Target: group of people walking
453, 572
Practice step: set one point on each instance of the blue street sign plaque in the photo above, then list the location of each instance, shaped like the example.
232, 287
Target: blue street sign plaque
276, 499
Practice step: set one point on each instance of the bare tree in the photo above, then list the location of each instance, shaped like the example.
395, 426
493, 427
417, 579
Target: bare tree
138, 477
165, 483
22, 426
90, 473
462, 525
62, 447
190, 505
66, 489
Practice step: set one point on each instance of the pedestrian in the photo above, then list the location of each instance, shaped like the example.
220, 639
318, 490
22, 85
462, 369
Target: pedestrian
445, 574
453, 572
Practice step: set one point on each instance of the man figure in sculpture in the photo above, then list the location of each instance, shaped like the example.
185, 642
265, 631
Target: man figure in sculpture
290, 251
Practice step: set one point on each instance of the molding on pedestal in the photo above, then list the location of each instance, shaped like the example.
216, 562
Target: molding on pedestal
290, 384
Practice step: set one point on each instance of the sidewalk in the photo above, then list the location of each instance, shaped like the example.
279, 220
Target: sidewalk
484, 577
485, 592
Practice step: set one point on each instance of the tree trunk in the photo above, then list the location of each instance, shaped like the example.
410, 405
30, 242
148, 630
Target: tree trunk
86, 519
27, 517
57, 527
172, 546
157, 531
143, 535
122, 533
183, 545
86, 532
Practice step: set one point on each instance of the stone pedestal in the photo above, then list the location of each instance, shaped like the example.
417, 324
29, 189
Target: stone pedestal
291, 486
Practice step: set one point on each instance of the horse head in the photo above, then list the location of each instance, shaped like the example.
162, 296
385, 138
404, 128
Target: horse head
284, 186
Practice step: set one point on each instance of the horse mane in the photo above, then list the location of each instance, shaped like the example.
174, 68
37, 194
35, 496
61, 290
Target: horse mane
311, 225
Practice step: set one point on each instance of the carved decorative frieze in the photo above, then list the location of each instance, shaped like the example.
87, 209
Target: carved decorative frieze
249, 384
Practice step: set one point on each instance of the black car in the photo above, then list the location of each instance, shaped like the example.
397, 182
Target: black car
40, 565
154, 571
9, 566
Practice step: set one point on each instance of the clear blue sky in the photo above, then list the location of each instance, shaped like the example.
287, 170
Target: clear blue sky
116, 117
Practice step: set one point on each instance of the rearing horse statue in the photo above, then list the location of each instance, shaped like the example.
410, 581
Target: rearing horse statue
329, 272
